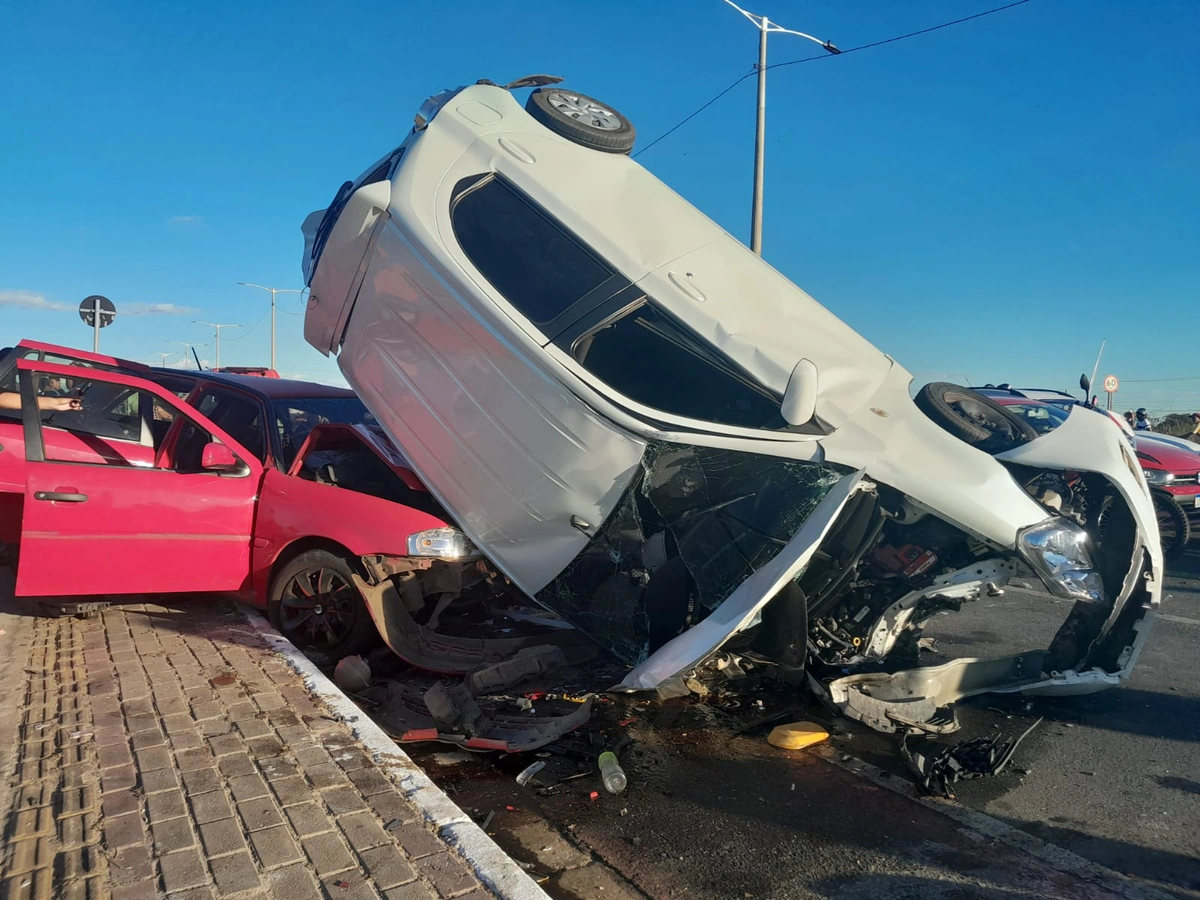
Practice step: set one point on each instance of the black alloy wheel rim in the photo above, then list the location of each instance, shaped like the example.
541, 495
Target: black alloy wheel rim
318, 608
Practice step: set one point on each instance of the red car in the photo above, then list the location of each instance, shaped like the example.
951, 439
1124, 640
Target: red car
280, 491
1172, 465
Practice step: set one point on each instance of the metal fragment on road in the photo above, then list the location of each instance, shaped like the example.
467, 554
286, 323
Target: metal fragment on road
529, 771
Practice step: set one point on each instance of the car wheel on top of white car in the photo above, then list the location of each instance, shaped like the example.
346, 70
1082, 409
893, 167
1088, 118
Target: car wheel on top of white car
582, 119
973, 417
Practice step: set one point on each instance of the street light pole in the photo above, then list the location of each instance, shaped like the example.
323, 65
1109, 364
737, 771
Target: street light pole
162, 358
273, 291
765, 26
760, 142
217, 328
187, 347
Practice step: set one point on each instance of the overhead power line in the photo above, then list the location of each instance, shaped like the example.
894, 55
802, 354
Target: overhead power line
1153, 380
696, 113
246, 334
794, 62
902, 37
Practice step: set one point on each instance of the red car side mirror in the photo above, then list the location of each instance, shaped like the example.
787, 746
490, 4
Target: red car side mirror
217, 457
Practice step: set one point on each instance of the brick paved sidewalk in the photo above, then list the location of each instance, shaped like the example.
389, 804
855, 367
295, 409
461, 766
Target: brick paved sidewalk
168, 751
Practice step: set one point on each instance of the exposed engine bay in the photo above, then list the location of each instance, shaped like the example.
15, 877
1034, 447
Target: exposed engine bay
890, 568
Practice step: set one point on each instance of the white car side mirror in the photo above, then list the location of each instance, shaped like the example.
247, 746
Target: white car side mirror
800, 399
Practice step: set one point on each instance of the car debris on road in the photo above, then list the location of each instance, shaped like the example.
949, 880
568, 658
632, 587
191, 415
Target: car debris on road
976, 758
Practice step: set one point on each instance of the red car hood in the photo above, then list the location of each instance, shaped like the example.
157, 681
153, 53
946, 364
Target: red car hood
1160, 455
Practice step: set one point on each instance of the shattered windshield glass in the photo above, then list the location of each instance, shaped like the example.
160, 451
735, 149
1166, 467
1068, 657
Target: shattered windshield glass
693, 525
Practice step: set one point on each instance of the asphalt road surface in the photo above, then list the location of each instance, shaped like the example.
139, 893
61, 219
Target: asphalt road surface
1113, 779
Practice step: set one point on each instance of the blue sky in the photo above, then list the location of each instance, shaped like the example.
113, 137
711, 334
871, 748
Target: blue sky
987, 202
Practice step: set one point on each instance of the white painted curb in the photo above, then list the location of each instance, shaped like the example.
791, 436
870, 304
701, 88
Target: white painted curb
491, 865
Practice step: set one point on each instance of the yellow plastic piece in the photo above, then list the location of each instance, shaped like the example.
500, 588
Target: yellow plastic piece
797, 735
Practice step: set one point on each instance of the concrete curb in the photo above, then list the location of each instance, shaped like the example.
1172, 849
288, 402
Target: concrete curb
491, 865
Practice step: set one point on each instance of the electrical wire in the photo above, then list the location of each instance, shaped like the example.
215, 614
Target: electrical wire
246, 334
794, 62
696, 113
1152, 380
900, 37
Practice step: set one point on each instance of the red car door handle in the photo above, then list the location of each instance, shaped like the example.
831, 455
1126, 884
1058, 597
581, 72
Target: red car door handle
59, 495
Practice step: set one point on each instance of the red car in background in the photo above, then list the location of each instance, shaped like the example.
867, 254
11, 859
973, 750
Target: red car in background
1172, 465
282, 492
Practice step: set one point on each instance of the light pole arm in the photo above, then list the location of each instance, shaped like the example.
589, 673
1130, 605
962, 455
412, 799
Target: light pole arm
765, 27
765, 24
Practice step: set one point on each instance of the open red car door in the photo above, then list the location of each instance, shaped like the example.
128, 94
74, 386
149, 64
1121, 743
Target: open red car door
112, 526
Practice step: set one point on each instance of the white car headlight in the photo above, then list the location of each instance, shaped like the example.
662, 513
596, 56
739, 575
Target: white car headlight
1158, 476
1058, 551
443, 543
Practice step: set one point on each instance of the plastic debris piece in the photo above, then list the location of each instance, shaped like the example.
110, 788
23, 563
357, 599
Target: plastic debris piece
529, 771
529, 662
352, 674
965, 760
797, 735
488, 819
511, 808
594, 795
628, 721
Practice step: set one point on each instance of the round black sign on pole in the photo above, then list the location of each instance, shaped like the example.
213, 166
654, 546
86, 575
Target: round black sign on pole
97, 312
87, 311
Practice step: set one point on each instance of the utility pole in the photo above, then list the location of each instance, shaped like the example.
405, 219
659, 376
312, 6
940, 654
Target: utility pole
162, 358
765, 26
273, 291
217, 328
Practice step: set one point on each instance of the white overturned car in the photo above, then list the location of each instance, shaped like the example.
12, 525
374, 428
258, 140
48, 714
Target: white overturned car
652, 432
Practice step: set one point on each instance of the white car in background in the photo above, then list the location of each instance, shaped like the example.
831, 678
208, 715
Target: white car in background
655, 434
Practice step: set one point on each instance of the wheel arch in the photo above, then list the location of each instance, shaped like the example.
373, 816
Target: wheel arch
303, 545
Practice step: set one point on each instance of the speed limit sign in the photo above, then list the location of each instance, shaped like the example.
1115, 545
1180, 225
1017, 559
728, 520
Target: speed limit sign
1111, 384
